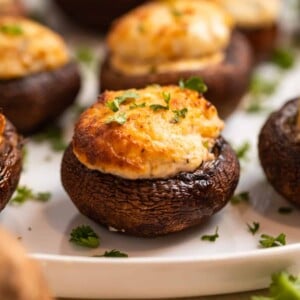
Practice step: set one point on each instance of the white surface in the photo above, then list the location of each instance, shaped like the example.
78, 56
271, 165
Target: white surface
174, 266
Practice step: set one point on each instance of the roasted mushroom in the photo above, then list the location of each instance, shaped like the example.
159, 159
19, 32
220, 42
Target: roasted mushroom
11, 8
10, 160
150, 161
20, 277
38, 81
258, 21
96, 14
162, 42
279, 148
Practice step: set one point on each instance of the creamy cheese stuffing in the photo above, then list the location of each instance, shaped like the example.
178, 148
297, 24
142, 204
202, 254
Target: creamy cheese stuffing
152, 143
252, 13
169, 35
27, 47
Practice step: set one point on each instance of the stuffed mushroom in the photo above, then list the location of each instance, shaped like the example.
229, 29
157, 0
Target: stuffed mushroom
150, 161
279, 148
38, 80
10, 160
97, 15
165, 41
258, 21
11, 8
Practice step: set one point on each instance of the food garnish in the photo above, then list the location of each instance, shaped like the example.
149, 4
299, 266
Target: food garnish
11, 29
254, 227
243, 150
117, 118
211, 238
267, 241
241, 197
194, 83
85, 236
24, 193
115, 104
283, 58
112, 253
283, 287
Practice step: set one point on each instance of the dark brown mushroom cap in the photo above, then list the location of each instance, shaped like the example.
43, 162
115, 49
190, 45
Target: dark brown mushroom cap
227, 82
150, 208
32, 101
262, 41
10, 163
279, 149
96, 14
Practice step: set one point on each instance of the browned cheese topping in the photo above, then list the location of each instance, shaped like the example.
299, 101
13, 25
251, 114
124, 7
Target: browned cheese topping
27, 47
170, 35
153, 132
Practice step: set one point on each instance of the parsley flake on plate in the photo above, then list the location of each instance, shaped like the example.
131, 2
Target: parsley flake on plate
23, 194
283, 287
84, 236
254, 227
283, 58
267, 241
113, 253
211, 238
241, 197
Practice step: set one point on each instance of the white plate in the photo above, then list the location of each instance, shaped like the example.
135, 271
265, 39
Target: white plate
173, 266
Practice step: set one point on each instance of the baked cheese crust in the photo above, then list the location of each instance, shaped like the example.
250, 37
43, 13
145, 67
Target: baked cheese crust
27, 47
252, 13
169, 35
156, 139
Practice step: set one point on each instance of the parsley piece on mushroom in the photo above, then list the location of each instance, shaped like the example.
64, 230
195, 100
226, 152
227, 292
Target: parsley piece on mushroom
120, 119
84, 236
254, 227
267, 241
113, 253
211, 238
11, 29
241, 197
23, 193
181, 113
194, 83
114, 105
157, 107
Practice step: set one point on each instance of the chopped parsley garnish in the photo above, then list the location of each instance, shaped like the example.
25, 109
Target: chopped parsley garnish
255, 106
167, 98
85, 55
134, 105
11, 29
120, 119
113, 253
283, 58
194, 83
260, 86
211, 238
267, 241
241, 197
85, 236
284, 210
254, 227
115, 104
24, 193
53, 135
243, 150
178, 114
175, 12
283, 287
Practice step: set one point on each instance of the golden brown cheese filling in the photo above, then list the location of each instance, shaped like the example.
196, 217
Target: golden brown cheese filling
169, 35
154, 132
252, 13
2, 127
27, 47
